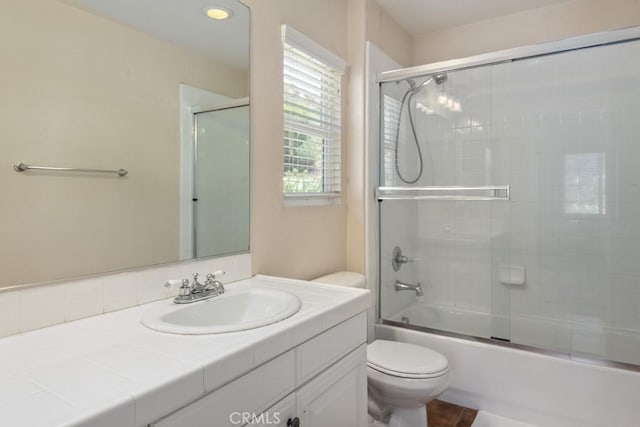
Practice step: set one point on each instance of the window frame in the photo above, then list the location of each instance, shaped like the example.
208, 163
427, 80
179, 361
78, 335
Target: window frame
298, 41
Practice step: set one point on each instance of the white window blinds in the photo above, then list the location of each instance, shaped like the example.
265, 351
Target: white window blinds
312, 117
391, 131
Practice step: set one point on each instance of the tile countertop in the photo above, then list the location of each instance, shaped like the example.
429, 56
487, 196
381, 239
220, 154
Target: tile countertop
110, 370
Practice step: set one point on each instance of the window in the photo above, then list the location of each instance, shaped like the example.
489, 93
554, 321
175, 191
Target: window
312, 120
585, 183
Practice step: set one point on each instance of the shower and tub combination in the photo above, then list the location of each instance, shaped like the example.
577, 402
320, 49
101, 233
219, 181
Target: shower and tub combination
509, 191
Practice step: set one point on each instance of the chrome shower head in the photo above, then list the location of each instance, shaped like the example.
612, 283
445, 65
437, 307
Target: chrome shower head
439, 78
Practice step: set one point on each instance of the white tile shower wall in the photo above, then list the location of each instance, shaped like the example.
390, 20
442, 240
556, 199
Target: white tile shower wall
39, 307
455, 238
573, 221
398, 218
566, 225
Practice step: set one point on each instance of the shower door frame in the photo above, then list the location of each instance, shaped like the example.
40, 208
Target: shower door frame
517, 53
502, 56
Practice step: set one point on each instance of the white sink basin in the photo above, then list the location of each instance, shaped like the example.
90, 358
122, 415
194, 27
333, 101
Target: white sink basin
233, 311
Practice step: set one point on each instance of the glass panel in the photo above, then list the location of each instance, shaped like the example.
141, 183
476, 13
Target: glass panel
222, 182
580, 233
437, 134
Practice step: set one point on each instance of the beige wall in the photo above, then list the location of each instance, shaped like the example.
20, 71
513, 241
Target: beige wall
541, 25
366, 22
386, 34
354, 160
78, 90
300, 242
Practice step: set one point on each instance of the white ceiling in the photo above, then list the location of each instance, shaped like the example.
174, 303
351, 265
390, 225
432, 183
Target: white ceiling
421, 16
183, 22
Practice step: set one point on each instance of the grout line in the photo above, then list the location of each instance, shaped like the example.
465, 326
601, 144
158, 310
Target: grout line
459, 418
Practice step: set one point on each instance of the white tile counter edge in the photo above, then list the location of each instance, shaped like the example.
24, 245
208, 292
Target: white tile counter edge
110, 370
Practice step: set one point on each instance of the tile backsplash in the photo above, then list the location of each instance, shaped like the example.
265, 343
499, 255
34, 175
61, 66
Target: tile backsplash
24, 310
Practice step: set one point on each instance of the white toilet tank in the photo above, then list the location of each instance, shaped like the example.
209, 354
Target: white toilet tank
344, 278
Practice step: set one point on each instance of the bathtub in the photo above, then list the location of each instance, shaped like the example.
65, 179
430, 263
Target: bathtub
581, 336
532, 387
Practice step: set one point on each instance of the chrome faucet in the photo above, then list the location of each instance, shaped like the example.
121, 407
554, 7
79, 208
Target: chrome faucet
400, 286
196, 287
197, 291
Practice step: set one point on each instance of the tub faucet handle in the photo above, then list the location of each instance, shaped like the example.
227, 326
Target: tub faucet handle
397, 259
405, 259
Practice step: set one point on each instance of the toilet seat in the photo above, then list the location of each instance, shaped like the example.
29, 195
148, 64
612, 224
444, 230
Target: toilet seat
405, 360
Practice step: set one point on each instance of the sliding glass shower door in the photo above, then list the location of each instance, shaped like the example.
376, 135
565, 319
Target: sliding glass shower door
444, 201
552, 262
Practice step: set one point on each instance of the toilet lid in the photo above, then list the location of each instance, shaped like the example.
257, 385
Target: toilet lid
405, 360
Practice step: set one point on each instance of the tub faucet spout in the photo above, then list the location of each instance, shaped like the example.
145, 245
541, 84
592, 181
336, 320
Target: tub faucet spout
400, 286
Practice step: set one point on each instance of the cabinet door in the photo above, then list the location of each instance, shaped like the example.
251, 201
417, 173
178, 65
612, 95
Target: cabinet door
338, 396
249, 394
278, 414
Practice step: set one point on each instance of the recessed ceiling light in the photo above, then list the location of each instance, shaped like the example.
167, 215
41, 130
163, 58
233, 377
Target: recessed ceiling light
217, 13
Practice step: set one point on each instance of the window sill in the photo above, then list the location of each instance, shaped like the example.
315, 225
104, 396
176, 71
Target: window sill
297, 200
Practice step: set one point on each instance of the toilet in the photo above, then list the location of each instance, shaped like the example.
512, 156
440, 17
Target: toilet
401, 378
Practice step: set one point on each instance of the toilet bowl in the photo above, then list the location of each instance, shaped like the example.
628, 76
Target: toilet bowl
401, 378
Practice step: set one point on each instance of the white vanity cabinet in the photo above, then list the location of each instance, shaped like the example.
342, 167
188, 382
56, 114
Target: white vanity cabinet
322, 382
279, 415
338, 396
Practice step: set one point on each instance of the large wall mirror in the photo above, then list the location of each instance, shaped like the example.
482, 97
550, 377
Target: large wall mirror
156, 88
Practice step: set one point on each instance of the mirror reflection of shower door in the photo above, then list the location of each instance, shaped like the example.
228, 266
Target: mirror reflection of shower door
221, 182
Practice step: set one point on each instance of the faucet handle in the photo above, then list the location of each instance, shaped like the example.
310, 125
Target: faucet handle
172, 283
397, 259
180, 285
212, 276
211, 279
185, 289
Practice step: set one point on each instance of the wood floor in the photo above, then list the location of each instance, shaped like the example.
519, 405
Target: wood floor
444, 414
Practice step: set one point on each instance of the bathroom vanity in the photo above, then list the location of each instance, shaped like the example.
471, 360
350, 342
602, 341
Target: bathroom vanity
110, 370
